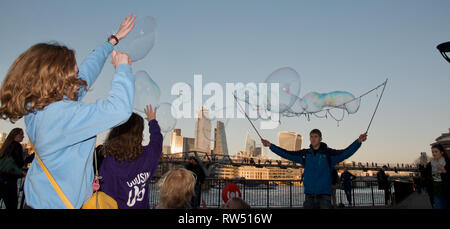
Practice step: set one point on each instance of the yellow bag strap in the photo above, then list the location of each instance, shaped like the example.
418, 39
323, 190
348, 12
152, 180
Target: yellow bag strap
55, 185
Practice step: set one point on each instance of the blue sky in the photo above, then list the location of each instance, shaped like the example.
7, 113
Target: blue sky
334, 45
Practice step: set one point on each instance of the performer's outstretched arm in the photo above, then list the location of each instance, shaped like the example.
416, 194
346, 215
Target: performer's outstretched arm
340, 155
295, 156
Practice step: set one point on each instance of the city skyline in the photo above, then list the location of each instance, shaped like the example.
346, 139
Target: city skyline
346, 45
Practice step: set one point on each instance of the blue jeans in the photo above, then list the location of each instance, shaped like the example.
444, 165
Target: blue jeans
317, 201
439, 203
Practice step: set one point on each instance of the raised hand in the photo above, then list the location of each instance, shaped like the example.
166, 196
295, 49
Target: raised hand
150, 113
125, 27
362, 138
265, 142
119, 58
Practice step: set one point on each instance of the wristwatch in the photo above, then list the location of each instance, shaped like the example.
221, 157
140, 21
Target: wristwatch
113, 40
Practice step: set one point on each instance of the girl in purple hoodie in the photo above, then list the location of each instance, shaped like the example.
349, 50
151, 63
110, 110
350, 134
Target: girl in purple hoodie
128, 166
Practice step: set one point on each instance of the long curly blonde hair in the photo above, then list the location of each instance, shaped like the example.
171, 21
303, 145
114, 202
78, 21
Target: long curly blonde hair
176, 189
43, 74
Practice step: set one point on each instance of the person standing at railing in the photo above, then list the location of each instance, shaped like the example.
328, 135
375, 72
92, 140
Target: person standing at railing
384, 184
334, 183
346, 181
8, 180
437, 179
197, 169
318, 162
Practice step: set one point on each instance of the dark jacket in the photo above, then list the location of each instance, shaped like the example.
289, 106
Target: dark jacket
428, 180
383, 180
317, 169
199, 173
15, 151
346, 179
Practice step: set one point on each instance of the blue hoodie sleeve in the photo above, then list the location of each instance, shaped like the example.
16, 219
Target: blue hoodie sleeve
88, 120
295, 156
93, 65
340, 155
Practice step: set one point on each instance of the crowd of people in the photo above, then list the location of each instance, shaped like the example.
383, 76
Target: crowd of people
45, 86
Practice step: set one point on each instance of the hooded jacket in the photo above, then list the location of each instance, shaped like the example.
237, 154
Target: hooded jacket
65, 131
428, 178
317, 173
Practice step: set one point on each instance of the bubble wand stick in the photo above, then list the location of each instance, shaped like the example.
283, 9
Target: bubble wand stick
373, 115
246, 116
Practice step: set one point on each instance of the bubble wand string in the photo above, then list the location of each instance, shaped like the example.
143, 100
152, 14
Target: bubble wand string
246, 116
373, 115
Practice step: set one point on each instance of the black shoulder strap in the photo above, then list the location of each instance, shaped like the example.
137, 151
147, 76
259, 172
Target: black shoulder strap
329, 160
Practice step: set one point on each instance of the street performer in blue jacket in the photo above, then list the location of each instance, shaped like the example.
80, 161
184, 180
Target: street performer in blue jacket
318, 162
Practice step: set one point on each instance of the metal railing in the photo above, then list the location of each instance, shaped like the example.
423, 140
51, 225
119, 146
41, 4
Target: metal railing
282, 193
269, 193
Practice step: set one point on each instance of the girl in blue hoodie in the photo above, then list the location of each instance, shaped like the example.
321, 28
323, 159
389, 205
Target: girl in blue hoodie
45, 85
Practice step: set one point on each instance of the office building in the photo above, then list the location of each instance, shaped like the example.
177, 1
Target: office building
289, 140
220, 139
203, 132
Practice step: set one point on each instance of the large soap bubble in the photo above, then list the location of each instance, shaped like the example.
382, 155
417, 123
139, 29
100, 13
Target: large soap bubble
314, 102
165, 118
214, 116
138, 43
289, 87
353, 105
146, 93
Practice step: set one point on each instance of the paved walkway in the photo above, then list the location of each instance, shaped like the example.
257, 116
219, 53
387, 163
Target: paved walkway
415, 201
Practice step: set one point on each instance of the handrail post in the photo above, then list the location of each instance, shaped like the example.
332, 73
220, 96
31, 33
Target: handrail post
267, 193
290, 194
373, 198
243, 184
353, 193
218, 191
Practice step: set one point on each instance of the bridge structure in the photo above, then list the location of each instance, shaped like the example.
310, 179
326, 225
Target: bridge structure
211, 161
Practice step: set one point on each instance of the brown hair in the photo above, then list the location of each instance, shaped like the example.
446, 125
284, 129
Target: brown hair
43, 74
316, 131
11, 136
176, 188
124, 142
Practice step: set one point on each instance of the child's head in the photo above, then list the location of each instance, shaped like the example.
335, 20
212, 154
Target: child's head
43, 74
176, 188
124, 142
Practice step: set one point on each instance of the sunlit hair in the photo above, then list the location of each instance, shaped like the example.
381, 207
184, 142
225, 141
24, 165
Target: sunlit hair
124, 142
9, 139
43, 74
176, 188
